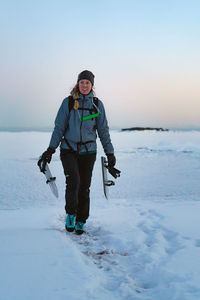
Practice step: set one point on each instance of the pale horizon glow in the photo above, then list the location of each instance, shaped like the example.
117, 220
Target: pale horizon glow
144, 54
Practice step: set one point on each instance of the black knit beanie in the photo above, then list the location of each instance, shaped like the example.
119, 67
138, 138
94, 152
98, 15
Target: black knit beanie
86, 75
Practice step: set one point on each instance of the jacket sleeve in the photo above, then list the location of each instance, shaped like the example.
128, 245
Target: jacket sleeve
60, 124
103, 130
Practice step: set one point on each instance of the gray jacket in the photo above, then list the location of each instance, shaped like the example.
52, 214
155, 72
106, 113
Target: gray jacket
68, 126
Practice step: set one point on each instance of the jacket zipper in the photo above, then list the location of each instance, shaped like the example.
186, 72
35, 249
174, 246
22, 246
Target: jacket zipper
81, 122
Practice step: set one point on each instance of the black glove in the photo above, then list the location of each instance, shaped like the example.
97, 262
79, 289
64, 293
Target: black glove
45, 158
111, 160
114, 172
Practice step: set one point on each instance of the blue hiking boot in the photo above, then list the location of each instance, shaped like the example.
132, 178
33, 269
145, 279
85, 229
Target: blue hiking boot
70, 222
79, 227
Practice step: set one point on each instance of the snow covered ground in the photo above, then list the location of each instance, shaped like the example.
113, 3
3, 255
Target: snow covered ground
144, 243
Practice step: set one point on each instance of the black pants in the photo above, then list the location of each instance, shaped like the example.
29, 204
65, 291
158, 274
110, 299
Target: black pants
78, 171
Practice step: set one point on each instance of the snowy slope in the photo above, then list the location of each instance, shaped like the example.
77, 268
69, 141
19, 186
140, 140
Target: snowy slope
141, 244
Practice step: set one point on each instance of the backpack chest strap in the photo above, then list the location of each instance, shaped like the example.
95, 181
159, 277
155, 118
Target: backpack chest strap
91, 110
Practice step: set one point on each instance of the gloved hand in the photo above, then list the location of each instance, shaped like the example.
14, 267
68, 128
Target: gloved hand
45, 158
111, 160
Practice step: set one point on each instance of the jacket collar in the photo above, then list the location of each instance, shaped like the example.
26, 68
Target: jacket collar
88, 97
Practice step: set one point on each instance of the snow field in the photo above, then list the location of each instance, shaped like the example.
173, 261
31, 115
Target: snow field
141, 244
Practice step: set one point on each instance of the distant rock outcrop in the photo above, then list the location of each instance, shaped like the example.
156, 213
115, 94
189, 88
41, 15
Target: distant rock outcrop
144, 128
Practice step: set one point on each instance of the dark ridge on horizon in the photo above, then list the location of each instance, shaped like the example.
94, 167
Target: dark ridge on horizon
144, 128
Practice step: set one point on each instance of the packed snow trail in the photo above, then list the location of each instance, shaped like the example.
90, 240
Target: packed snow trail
139, 255
136, 252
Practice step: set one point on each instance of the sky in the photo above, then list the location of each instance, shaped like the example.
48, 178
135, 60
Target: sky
144, 54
